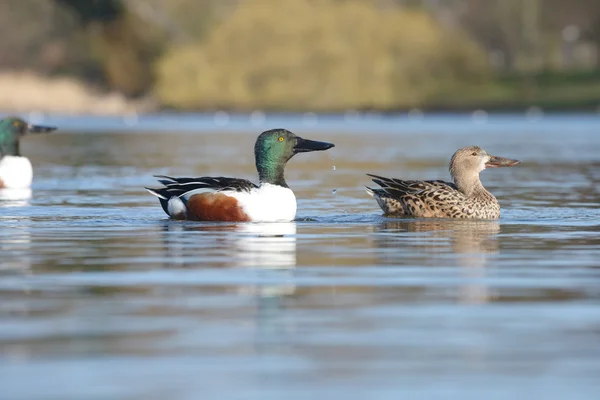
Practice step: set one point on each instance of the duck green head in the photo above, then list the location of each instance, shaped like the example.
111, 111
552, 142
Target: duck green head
275, 147
11, 131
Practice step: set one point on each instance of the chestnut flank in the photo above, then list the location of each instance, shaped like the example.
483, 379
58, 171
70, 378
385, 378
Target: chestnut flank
215, 207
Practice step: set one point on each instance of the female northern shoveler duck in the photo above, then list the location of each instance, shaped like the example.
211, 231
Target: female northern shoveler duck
239, 200
16, 171
465, 198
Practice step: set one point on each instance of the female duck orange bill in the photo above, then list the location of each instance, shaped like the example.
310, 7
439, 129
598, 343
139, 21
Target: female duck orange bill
239, 200
15, 170
465, 198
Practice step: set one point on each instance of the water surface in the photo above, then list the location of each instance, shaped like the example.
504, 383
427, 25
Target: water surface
102, 297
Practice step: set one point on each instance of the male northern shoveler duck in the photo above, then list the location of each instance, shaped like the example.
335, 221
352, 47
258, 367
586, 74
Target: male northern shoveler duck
16, 171
465, 198
239, 200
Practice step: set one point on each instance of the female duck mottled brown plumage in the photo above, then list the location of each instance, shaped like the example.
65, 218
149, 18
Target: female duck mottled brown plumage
465, 198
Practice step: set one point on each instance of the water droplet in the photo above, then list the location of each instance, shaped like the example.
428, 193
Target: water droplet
333, 168
334, 191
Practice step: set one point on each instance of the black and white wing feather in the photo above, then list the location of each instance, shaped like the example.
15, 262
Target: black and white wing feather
182, 186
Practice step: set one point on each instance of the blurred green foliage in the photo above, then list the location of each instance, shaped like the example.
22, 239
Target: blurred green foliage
121, 44
325, 55
320, 55
549, 90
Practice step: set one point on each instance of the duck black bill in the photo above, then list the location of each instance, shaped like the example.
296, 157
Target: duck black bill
40, 128
497, 162
305, 145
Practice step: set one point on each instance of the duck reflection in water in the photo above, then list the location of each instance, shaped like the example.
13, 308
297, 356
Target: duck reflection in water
259, 246
470, 241
15, 235
15, 244
267, 248
10, 197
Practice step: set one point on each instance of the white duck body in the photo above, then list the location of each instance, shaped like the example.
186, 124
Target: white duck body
16, 172
267, 203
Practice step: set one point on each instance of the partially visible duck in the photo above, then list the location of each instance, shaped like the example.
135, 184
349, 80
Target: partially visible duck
15, 170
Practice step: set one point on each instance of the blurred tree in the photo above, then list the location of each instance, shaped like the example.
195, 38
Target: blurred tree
95, 10
183, 20
527, 35
328, 54
123, 45
35, 35
583, 15
306, 53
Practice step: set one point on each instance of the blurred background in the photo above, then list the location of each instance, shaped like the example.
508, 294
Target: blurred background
121, 56
102, 297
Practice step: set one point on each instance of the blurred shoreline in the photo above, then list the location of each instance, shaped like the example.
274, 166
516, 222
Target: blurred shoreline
402, 124
30, 92
25, 92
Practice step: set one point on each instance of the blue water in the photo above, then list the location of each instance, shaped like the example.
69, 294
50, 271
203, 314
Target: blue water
360, 123
102, 297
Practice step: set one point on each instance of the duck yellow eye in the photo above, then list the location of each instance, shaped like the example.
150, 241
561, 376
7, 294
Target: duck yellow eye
16, 124
281, 138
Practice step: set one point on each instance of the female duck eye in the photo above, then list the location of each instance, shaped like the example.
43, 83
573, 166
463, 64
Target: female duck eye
281, 138
474, 153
